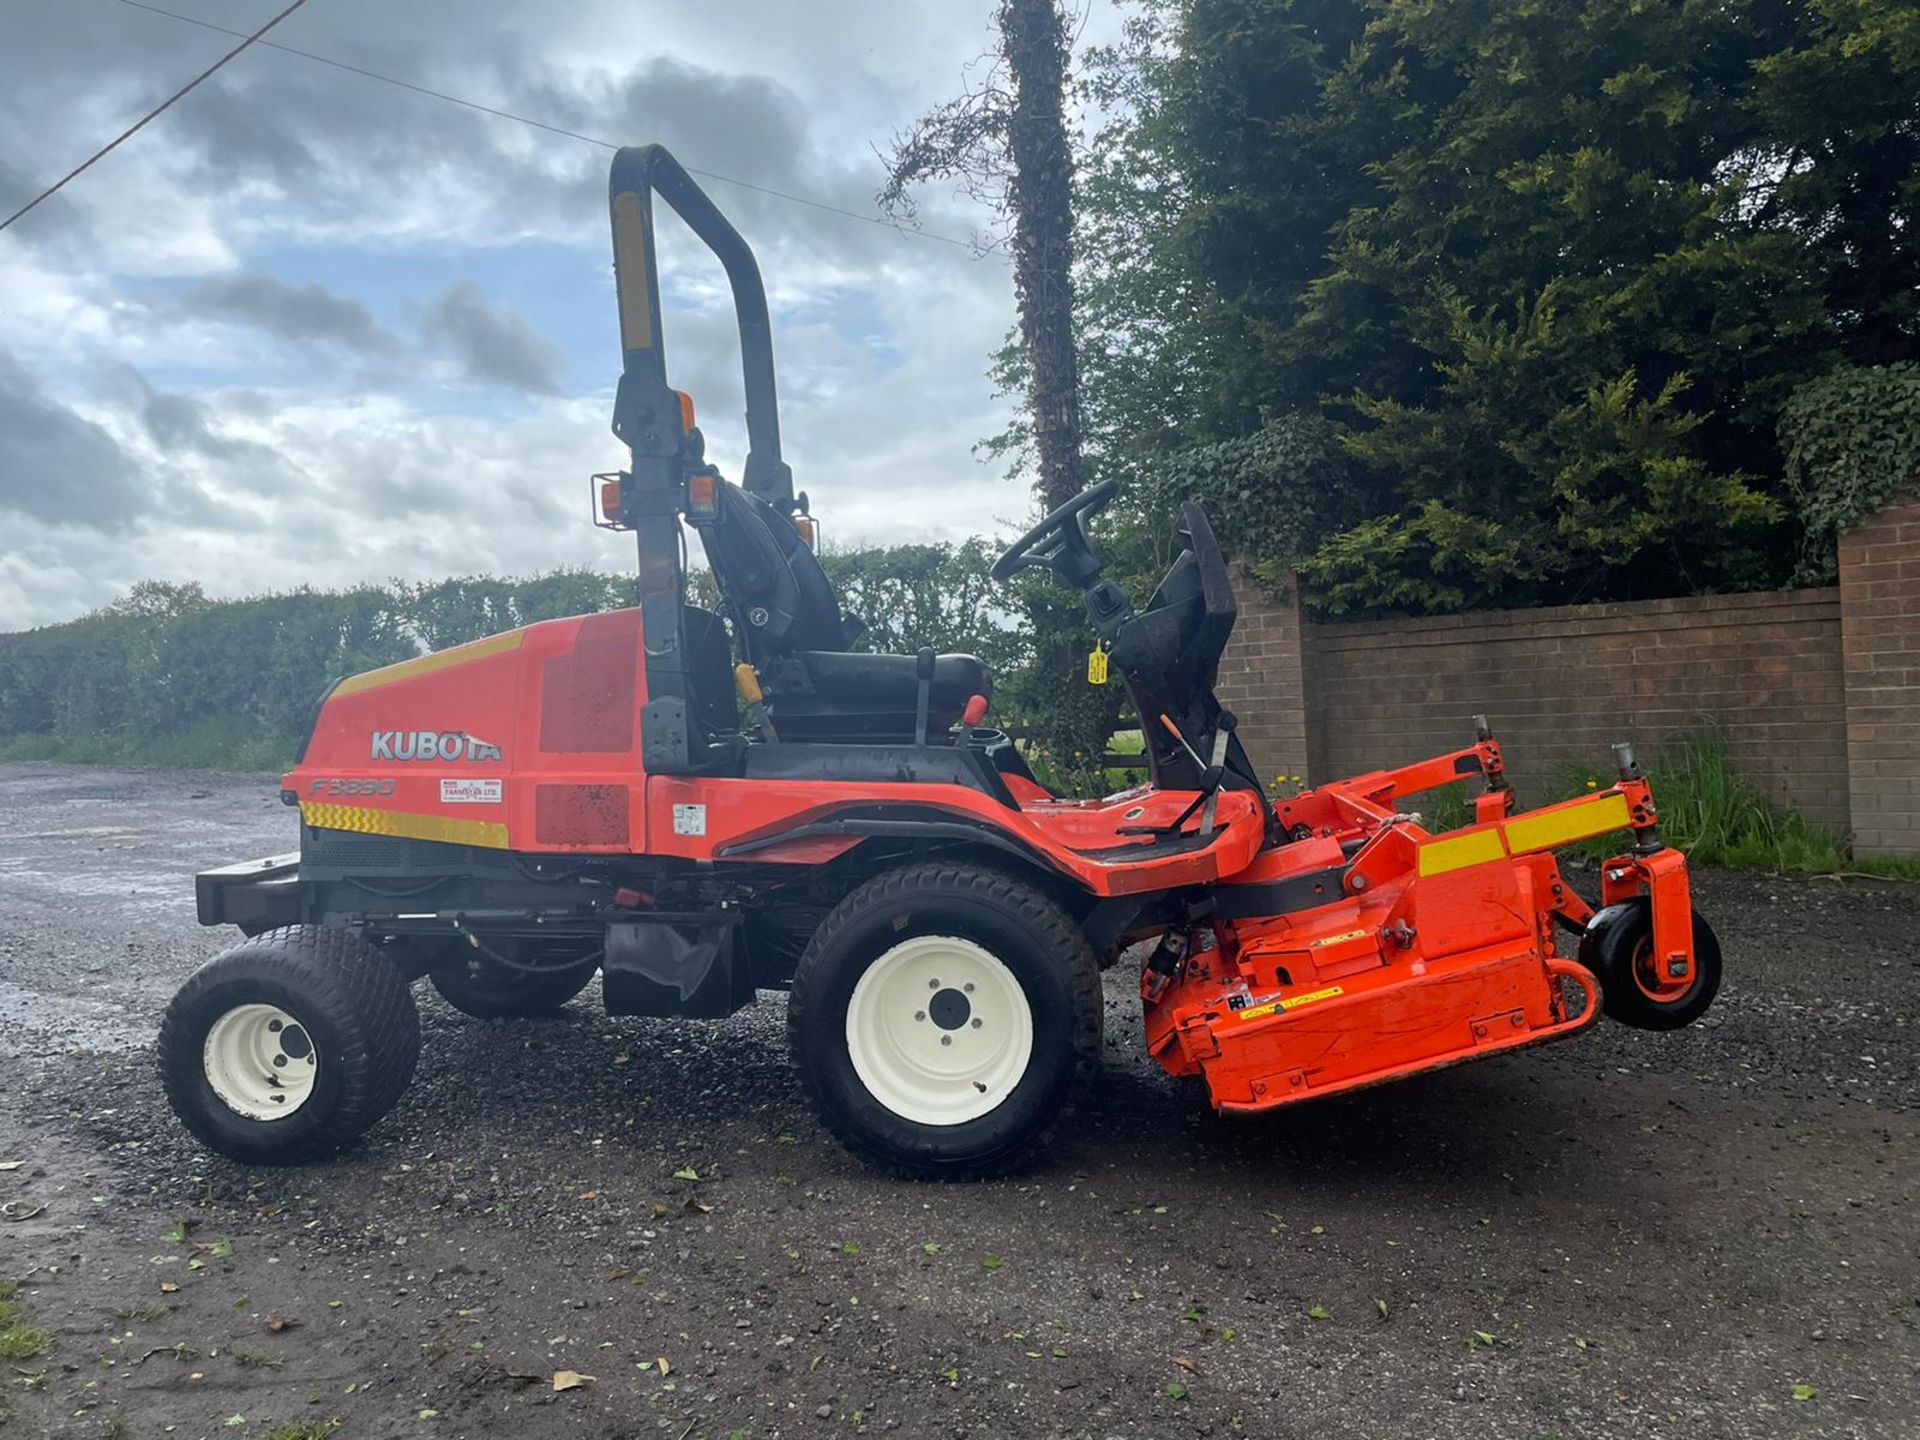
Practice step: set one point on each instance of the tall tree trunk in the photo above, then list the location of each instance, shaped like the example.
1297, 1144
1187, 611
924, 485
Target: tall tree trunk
1033, 33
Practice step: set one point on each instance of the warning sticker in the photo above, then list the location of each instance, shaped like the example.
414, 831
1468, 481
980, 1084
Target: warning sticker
689, 819
1294, 1002
470, 792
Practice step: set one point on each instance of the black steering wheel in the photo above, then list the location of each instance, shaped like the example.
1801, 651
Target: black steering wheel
1060, 541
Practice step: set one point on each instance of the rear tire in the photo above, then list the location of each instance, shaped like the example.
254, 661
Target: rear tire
944, 1017
487, 990
288, 1046
1617, 947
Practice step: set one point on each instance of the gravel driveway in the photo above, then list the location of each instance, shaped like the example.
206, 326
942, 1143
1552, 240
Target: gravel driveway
1627, 1235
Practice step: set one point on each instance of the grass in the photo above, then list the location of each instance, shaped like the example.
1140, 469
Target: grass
18, 1340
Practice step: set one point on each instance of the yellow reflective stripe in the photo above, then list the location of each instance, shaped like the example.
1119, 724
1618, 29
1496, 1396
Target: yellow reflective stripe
1456, 852
427, 664
490, 833
630, 272
1550, 829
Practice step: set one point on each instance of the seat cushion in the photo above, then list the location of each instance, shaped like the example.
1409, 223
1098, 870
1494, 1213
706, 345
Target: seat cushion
829, 695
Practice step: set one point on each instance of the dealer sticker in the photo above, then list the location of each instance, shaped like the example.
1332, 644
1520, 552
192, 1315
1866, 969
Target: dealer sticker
470, 792
689, 819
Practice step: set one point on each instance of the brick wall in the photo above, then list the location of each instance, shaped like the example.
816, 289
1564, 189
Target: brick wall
1565, 684
1818, 691
1880, 598
1261, 679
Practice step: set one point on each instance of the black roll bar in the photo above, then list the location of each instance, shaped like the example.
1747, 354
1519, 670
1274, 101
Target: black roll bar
645, 412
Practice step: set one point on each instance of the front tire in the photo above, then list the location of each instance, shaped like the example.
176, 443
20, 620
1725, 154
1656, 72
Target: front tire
288, 1046
944, 1017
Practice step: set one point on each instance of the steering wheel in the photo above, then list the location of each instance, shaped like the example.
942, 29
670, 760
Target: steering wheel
1060, 540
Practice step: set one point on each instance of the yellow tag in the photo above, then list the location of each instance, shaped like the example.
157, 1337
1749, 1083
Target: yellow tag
1097, 667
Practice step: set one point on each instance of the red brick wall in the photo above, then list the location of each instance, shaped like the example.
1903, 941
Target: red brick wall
1261, 680
1564, 684
1880, 596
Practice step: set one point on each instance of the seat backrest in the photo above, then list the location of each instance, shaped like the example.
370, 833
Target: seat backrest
771, 582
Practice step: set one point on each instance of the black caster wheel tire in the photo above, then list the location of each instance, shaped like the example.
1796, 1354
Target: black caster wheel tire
288, 1046
1617, 946
944, 1018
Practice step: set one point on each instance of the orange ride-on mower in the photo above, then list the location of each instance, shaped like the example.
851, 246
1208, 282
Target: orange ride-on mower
510, 817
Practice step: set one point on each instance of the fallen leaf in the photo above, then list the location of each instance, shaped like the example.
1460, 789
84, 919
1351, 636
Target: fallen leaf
429, 1414
167, 1287
686, 1172
1318, 1312
570, 1379
589, 1195
178, 1234
11, 1164
932, 1247
659, 1210
850, 1248
233, 1420
693, 1204
1804, 1391
1177, 1391
221, 1250
665, 1368
1381, 1306
993, 1262
1186, 1364
277, 1322
1480, 1337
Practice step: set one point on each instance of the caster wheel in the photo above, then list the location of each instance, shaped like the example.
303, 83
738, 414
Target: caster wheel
1617, 946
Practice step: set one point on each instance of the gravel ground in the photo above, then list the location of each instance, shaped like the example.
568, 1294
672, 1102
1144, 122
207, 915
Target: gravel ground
1628, 1235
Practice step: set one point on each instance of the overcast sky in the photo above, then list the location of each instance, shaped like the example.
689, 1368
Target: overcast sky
310, 328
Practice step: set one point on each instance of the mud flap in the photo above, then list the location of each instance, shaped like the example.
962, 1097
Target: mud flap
692, 966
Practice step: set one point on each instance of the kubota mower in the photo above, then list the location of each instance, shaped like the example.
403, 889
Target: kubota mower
699, 805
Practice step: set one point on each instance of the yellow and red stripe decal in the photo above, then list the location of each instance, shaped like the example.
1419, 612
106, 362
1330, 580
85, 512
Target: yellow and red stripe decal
364, 821
427, 664
1527, 834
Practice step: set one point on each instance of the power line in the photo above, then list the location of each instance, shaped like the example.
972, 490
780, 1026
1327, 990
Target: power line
551, 129
152, 114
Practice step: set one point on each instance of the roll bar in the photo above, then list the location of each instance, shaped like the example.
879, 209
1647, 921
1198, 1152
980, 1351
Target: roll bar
645, 409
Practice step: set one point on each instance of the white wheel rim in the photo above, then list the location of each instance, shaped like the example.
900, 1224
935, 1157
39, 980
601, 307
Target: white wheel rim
260, 1061
939, 1030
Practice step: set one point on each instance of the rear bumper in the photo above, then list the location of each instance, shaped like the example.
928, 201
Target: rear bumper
256, 895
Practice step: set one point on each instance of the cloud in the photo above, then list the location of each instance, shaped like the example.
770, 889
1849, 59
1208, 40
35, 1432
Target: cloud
273, 330
56, 465
492, 347
306, 314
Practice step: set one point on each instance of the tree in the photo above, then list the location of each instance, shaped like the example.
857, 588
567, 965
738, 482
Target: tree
1552, 267
1006, 140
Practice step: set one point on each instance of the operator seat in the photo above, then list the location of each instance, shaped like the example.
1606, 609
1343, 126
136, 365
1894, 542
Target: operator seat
788, 622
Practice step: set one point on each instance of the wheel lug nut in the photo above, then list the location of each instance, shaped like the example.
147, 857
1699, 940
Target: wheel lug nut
933, 984
919, 1014
279, 1061
946, 1039
968, 987
976, 1024
274, 1026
